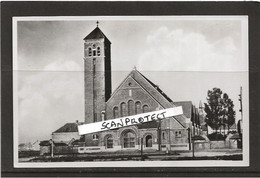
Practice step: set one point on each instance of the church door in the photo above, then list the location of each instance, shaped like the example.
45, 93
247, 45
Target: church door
148, 141
129, 140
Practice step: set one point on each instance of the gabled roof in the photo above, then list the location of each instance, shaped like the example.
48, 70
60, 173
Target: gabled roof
96, 34
69, 127
154, 91
186, 107
157, 88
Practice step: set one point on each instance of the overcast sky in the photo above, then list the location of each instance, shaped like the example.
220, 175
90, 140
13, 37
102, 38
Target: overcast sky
185, 57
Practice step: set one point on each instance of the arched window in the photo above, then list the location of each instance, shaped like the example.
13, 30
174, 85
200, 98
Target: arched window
109, 142
178, 134
98, 51
148, 141
94, 52
123, 109
130, 107
138, 107
163, 135
129, 140
115, 112
89, 51
95, 137
145, 108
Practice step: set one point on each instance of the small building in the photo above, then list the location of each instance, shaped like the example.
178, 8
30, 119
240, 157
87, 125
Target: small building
45, 147
66, 133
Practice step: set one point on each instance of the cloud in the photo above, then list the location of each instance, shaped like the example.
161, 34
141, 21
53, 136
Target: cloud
178, 50
48, 100
63, 65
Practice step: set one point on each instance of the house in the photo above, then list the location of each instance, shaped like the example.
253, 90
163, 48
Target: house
29, 146
66, 133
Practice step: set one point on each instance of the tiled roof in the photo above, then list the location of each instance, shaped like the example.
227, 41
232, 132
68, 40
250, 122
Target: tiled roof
186, 107
45, 143
96, 34
69, 127
152, 124
157, 88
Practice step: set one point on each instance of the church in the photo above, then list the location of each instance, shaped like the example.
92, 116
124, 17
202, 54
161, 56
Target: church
136, 94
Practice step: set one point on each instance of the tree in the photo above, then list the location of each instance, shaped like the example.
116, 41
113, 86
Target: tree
228, 113
213, 108
219, 110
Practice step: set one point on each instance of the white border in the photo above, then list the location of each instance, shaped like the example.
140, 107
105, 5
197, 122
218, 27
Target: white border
206, 163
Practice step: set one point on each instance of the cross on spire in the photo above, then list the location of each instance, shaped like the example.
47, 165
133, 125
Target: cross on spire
97, 23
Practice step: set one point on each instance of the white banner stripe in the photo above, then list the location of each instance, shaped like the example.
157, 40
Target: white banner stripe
129, 120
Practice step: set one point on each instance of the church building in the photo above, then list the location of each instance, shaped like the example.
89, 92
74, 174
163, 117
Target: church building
136, 94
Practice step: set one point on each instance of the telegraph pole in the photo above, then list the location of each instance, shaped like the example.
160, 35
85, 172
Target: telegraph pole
241, 120
240, 100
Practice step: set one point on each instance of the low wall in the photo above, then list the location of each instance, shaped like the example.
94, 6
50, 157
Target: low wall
176, 147
230, 144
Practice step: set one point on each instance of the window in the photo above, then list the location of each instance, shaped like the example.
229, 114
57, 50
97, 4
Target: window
163, 135
103, 115
109, 142
130, 108
89, 51
129, 140
94, 53
148, 141
178, 134
123, 109
98, 51
116, 112
94, 66
138, 107
145, 108
95, 137
130, 92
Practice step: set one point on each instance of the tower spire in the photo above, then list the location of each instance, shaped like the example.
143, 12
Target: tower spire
97, 23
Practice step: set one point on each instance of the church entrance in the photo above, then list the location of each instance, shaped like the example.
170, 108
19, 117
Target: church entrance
148, 141
129, 140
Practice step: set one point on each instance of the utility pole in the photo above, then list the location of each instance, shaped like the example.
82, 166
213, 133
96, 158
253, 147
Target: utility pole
240, 100
241, 120
142, 157
193, 147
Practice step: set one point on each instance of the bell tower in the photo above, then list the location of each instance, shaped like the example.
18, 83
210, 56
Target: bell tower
97, 74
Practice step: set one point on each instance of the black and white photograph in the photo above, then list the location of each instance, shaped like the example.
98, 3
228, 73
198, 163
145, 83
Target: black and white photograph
95, 91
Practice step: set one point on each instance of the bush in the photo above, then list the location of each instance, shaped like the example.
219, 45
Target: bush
216, 136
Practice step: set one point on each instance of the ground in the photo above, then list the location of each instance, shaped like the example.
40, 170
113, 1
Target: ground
223, 154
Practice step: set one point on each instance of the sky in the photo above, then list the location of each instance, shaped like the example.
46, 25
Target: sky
185, 56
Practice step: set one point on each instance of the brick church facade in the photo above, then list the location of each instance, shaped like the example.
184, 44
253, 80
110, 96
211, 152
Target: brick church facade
135, 95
